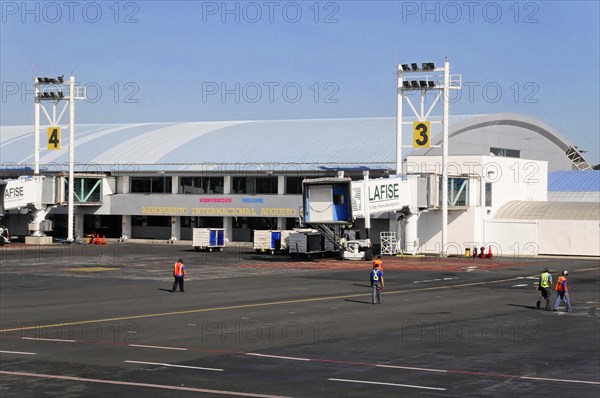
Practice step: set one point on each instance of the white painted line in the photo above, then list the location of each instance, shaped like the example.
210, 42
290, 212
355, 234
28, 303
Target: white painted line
174, 366
562, 380
41, 339
389, 384
17, 352
277, 357
519, 285
159, 347
133, 384
412, 368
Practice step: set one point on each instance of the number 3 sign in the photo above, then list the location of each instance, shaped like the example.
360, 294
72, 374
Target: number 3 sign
421, 132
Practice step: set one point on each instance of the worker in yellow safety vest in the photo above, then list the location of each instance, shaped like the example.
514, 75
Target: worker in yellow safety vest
544, 286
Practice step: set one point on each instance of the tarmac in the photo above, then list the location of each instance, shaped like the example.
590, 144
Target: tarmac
95, 321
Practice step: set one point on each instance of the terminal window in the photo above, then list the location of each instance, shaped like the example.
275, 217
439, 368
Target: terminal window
458, 191
201, 185
488, 194
293, 185
150, 184
505, 152
254, 185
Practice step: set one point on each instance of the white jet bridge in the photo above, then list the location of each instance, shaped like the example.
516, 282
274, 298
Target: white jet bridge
331, 205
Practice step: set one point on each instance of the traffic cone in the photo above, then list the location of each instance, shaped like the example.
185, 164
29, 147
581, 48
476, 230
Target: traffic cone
103, 239
489, 253
97, 241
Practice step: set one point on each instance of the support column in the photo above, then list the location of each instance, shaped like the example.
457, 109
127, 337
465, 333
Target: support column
281, 191
228, 227
411, 237
174, 184
366, 204
125, 227
175, 220
394, 227
175, 228
79, 225
124, 184
227, 185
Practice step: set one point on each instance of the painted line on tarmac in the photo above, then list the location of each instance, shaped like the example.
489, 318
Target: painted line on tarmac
158, 347
389, 384
412, 368
41, 339
17, 352
277, 357
253, 305
266, 304
170, 365
561, 380
134, 384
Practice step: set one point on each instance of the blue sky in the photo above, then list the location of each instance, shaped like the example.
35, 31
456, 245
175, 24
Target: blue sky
146, 61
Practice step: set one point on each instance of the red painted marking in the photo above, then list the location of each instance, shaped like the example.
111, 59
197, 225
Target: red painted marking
389, 263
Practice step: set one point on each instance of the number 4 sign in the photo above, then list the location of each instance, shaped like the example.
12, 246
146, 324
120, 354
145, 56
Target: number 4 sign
421, 133
53, 138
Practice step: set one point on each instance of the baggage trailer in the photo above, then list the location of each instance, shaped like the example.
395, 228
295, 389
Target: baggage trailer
267, 241
309, 243
208, 239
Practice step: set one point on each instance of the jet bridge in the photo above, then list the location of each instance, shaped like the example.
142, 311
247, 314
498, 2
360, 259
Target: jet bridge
332, 204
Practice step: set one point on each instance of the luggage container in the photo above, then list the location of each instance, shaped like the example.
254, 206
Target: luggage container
267, 241
309, 243
208, 239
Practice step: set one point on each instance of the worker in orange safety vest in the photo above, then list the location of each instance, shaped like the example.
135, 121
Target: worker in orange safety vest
562, 290
179, 274
378, 262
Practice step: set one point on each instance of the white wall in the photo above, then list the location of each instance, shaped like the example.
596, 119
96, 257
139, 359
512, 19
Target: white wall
512, 237
511, 179
569, 237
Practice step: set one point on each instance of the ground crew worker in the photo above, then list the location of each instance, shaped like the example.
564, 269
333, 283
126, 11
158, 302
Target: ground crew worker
377, 284
544, 285
378, 262
179, 274
562, 290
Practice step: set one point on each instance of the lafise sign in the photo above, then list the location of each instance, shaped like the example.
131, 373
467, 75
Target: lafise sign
384, 191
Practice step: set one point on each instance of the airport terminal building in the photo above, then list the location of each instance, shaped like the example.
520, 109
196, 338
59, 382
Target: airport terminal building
160, 180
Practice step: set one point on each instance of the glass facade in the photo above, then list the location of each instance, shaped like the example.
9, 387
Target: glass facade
150, 185
201, 185
507, 153
254, 185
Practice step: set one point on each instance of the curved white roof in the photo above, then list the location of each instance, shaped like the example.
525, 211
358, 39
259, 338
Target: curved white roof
281, 144
525, 210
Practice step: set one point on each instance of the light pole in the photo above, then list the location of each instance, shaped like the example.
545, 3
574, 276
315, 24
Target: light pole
427, 78
50, 90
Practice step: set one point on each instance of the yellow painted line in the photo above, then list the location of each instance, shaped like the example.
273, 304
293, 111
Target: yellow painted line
256, 305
